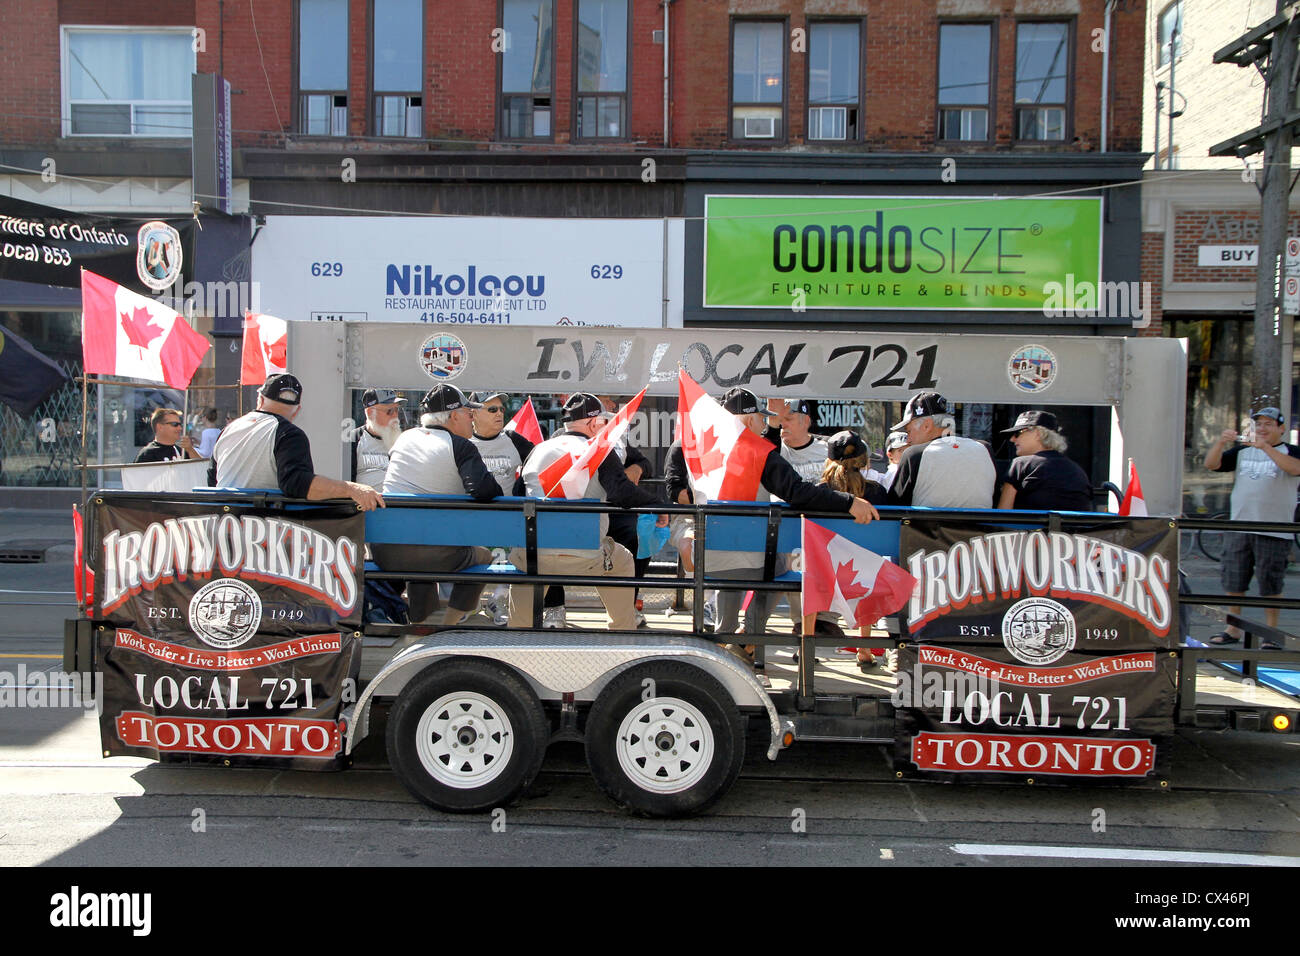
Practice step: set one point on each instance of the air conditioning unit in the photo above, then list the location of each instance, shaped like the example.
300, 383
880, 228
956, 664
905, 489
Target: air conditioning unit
760, 127
414, 121
827, 122
339, 121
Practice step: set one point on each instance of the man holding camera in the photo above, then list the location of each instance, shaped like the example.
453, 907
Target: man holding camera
1267, 476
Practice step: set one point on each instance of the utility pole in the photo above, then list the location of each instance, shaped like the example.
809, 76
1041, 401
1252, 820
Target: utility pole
1271, 48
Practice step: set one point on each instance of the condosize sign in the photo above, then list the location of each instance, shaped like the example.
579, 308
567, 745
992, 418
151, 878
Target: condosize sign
872, 252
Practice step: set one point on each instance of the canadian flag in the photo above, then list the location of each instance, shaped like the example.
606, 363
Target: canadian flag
266, 344
525, 424
567, 478
841, 576
83, 578
127, 334
1134, 504
724, 457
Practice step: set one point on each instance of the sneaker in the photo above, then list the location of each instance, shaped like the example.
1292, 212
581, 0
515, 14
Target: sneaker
499, 612
553, 617
891, 660
640, 620
710, 615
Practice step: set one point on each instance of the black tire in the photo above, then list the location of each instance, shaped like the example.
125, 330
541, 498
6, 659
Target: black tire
1210, 540
511, 725
693, 709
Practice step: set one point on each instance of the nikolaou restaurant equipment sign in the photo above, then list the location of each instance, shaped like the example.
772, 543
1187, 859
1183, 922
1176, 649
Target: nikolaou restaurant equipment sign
870, 252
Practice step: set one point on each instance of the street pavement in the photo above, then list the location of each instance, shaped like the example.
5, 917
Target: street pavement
1234, 797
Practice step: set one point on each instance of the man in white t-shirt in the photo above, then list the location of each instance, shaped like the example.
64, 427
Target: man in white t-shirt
940, 469
1267, 473
805, 452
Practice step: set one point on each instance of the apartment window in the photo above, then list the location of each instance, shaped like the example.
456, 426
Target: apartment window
323, 67
834, 84
965, 92
758, 80
1042, 70
1171, 20
127, 82
527, 68
601, 69
397, 65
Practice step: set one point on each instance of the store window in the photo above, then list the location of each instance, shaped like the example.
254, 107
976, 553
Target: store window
965, 93
758, 80
601, 70
44, 448
323, 67
527, 69
834, 60
127, 82
1042, 80
397, 66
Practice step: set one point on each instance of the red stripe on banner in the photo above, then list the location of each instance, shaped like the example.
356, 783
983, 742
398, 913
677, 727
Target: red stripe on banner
1058, 756
204, 659
1038, 677
255, 737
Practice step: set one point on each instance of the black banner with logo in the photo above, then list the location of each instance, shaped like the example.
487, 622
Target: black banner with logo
231, 633
1039, 654
51, 246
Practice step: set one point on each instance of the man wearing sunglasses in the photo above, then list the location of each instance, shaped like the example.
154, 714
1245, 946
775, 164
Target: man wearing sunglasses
169, 439
504, 452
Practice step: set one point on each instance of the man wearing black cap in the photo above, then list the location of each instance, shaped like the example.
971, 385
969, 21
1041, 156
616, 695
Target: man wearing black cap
940, 469
1042, 478
1267, 475
778, 480
372, 442
584, 416
503, 451
438, 458
265, 449
805, 452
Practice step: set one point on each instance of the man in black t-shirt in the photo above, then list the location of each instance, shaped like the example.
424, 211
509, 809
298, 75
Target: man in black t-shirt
170, 442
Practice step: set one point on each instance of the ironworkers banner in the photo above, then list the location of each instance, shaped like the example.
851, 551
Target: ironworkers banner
231, 635
1038, 653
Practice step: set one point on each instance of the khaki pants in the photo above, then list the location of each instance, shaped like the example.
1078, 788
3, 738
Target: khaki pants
612, 559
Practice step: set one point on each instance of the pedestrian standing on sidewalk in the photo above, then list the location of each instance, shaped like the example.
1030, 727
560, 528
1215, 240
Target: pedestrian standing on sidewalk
1267, 475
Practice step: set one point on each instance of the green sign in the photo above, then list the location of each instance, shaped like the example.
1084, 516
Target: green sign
871, 252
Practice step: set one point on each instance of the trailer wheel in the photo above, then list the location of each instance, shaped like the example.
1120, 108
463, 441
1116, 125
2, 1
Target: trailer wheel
467, 735
669, 755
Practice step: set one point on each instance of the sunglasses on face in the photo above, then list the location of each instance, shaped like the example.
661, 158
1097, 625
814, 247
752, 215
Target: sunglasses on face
493, 409
174, 424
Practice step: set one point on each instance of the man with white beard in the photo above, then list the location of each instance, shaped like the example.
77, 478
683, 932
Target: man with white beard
373, 441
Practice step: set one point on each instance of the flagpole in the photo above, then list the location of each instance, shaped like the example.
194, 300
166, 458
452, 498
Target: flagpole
85, 401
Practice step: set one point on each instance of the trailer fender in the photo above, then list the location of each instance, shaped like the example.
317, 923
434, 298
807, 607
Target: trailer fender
580, 665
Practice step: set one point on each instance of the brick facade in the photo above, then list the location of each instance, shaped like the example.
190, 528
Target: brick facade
257, 55
1218, 227
1153, 257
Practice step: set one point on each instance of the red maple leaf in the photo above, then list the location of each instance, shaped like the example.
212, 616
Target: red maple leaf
276, 351
139, 327
846, 576
710, 456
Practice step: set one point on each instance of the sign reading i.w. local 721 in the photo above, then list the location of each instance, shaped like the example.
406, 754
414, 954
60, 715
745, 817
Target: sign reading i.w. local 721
872, 252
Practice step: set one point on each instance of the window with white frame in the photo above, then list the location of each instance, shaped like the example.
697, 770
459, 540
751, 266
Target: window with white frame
965, 65
397, 61
1042, 79
834, 52
127, 81
527, 68
323, 67
758, 79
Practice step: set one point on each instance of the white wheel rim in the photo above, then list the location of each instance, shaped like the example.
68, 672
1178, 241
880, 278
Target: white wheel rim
464, 740
665, 745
